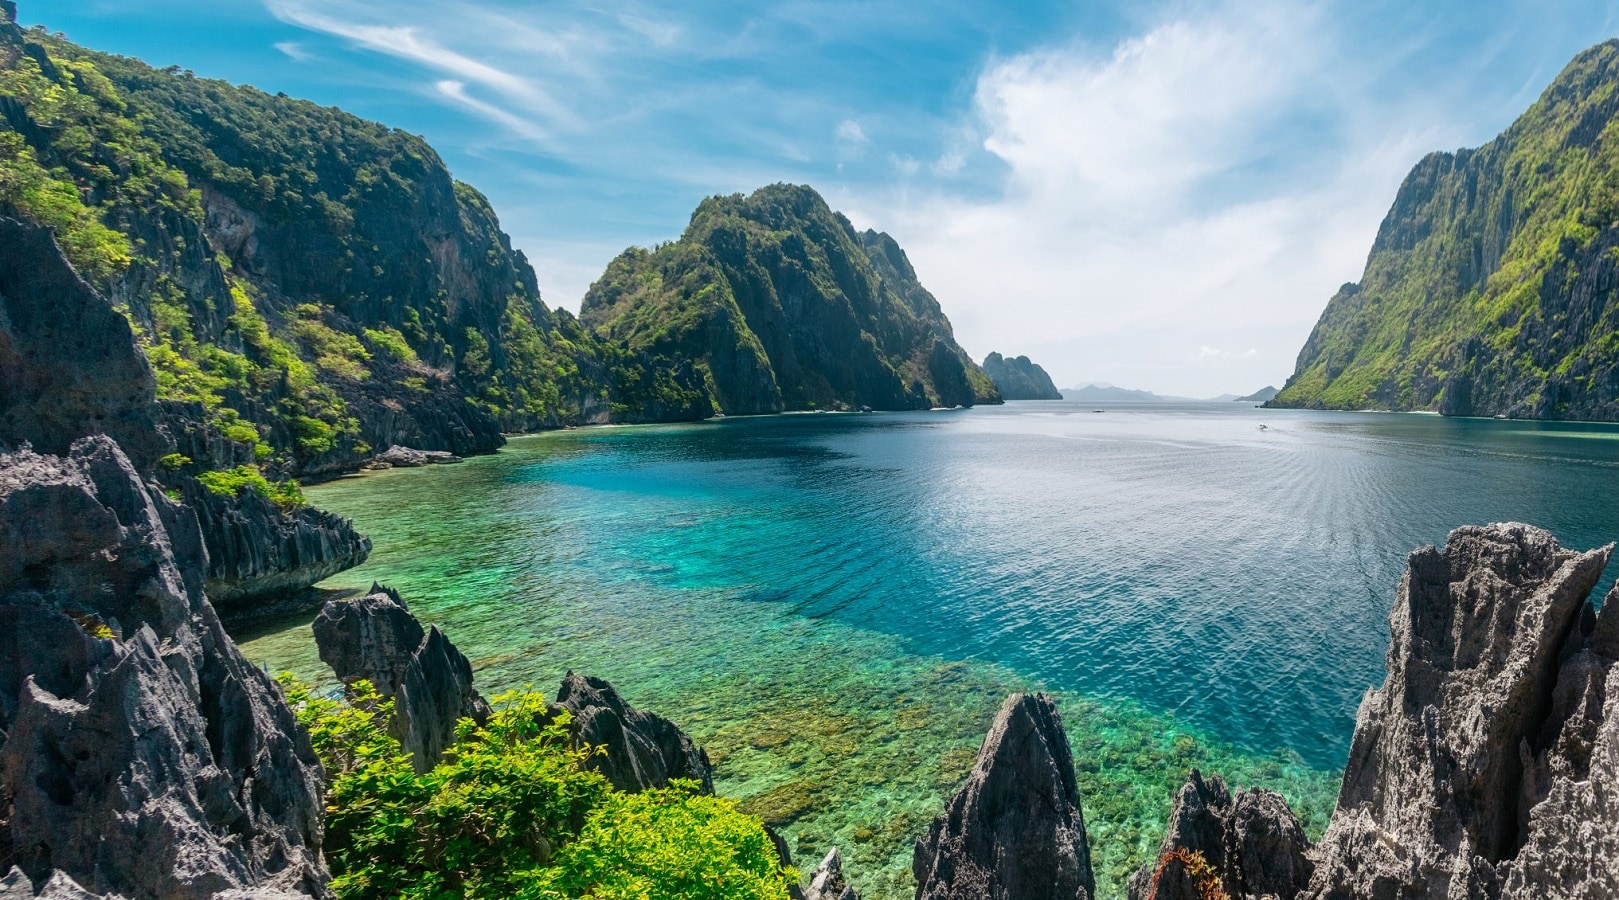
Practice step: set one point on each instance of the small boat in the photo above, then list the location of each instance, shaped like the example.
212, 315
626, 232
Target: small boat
1263, 428
1098, 410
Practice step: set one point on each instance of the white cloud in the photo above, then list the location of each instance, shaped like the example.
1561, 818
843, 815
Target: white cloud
850, 132
1146, 208
294, 50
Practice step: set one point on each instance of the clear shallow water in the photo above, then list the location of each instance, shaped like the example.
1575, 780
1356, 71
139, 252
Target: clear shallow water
836, 604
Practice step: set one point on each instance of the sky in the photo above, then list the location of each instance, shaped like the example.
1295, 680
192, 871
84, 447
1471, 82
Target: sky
1159, 195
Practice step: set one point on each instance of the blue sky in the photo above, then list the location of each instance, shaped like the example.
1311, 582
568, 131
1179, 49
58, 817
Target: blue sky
1158, 195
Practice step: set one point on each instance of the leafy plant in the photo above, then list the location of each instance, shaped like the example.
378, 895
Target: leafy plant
510, 812
231, 482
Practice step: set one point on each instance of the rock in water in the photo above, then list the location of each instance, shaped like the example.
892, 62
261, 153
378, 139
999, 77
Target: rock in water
643, 750
1487, 765
828, 882
375, 638
1015, 831
1019, 378
1253, 844
411, 458
258, 551
142, 755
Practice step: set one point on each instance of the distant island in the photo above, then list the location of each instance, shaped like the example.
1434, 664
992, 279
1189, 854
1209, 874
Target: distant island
1262, 395
1017, 378
1101, 392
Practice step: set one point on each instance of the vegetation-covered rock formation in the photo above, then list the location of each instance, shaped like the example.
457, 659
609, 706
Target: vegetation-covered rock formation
1490, 289
779, 304
1018, 378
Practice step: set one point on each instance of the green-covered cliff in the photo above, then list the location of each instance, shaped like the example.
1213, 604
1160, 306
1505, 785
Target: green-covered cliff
309, 286
779, 304
1490, 289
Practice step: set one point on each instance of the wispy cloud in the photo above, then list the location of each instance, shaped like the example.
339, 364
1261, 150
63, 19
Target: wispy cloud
294, 50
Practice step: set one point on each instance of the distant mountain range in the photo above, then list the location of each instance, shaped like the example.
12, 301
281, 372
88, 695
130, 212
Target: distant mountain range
1100, 392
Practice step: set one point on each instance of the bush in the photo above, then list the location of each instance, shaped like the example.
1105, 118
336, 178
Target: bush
284, 494
510, 812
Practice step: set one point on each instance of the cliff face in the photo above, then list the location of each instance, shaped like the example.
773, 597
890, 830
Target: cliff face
780, 304
140, 753
1490, 289
316, 284
1017, 378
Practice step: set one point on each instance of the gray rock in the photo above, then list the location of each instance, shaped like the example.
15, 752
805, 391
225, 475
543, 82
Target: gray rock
643, 750
258, 552
1015, 831
142, 754
409, 457
69, 366
828, 883
1252, 842
1488, 762
376, 639
57, 886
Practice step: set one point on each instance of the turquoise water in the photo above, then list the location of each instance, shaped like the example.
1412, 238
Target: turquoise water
836, 604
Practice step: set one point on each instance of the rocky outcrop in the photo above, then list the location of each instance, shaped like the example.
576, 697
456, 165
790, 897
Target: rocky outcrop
777, 303
142, 755
1018, 378
411, 458
1487, 765
375, 638
1252, 844
68, 361
640, 750
258, 551
1015, 831
828, 883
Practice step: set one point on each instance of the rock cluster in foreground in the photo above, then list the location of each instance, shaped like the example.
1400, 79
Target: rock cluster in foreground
1486, 767
142, 755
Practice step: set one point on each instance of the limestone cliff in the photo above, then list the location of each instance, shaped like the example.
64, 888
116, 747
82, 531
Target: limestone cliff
779, 304
1491, 286
1018, 378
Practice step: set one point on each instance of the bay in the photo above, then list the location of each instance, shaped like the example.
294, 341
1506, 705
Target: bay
836, 604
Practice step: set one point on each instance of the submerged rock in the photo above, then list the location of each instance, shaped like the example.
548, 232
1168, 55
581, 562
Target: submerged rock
1487, 765
141, 755
1252, 844
375, 638
642, 750
1015, 831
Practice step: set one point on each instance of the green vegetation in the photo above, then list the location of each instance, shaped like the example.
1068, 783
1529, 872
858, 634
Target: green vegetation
284, 494
510, 813
1490, 288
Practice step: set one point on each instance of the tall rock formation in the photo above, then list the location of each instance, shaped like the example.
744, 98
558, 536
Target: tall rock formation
1017, 378
1251, 844
140, 753
1015, 830
1490, 289
375, 638
779, 304
1487, 765
641, 750
70, 367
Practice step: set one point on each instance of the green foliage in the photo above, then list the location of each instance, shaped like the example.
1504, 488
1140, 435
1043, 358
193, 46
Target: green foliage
284, 494
511, 813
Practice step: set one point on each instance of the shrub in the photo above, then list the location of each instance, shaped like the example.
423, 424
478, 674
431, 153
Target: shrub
284, 494
510, 812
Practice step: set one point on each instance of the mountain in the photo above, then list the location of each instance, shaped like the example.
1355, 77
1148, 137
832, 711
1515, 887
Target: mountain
1019, 379
309, 287
779, 304
1262, 395
1490, 289
1107, 393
